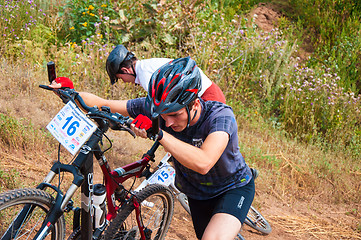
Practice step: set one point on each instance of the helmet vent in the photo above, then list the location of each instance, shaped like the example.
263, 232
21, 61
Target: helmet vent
158, 94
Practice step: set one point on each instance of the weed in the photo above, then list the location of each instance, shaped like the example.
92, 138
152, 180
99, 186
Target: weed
17, 135
333, 27
9, 179
17, 18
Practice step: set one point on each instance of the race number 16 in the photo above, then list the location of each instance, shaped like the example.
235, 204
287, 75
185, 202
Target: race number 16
72, 126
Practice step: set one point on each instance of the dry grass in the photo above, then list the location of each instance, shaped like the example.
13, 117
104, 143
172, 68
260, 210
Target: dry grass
298, 170
314, 228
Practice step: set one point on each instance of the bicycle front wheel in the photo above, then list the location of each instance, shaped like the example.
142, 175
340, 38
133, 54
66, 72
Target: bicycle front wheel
156, 211
255, 220
239, 237
22, 212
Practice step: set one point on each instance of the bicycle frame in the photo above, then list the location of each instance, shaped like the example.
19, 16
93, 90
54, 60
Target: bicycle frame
84, 179
82, 171
182, 198
114, 179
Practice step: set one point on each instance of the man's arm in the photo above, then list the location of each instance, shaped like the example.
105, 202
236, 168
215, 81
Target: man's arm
201, 159
119, 106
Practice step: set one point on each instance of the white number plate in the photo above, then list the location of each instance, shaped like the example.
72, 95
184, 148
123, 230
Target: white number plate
71, 127
164, 175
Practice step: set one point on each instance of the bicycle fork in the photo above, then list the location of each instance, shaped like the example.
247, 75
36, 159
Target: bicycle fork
61, 201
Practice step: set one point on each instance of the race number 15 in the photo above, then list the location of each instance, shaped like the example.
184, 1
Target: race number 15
164, 175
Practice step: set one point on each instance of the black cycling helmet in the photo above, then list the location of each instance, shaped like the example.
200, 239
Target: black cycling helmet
115, 59
173, 86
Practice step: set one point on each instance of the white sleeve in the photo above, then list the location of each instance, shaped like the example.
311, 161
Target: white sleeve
145, 68
206, 83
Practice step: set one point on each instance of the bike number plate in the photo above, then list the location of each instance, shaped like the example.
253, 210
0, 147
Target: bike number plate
71, 127
163, 176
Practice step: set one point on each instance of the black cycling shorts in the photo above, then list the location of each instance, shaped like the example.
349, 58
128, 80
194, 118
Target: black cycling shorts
235, 202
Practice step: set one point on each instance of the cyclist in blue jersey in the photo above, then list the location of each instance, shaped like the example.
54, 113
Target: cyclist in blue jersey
202, 138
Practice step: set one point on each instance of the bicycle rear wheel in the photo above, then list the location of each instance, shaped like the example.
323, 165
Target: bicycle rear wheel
255, 220
22, 212
156, 211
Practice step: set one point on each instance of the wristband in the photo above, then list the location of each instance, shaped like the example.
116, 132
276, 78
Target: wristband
160, 135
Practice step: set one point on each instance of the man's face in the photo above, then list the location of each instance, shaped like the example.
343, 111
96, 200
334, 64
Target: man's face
176, 120
126, 77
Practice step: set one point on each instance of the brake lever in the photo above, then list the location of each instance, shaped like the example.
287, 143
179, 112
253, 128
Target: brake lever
130, 131
46, 87
123, 127
126, 124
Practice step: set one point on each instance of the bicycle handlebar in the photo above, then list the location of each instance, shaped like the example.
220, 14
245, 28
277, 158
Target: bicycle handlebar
116, 120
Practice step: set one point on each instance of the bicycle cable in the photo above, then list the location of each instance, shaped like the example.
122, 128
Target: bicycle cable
110, 142
60, 178
119, 185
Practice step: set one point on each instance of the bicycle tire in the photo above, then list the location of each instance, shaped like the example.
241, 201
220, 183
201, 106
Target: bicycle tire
14, 201
256, 221
75, 235
157, 211
239, 237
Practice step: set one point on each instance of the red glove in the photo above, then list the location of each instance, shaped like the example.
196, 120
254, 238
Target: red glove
65, 82
142, 122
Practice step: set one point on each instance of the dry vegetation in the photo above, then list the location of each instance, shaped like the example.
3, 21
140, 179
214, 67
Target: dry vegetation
300, 203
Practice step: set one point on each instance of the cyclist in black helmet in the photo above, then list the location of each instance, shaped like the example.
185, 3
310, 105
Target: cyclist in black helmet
120, 62
123, 64
202, 138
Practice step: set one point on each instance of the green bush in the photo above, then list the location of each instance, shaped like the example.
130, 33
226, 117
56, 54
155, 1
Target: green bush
85, 19
9, 179
18, 17
17, 20
314, 106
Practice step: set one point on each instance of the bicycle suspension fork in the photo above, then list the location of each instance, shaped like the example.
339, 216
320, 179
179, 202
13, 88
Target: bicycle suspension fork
82, 166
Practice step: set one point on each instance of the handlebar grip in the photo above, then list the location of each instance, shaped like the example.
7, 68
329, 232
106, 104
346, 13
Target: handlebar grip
51, 71
155, 126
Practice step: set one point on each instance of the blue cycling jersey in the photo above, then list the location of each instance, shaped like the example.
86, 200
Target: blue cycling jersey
229, 172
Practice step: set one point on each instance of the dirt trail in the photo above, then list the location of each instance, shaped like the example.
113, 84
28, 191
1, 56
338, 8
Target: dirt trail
289, 220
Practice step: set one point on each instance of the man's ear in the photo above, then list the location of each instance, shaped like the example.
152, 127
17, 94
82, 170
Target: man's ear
196, 104
126, 70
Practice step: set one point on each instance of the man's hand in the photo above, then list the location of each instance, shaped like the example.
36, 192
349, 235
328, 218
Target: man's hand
140, 125
62, 82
